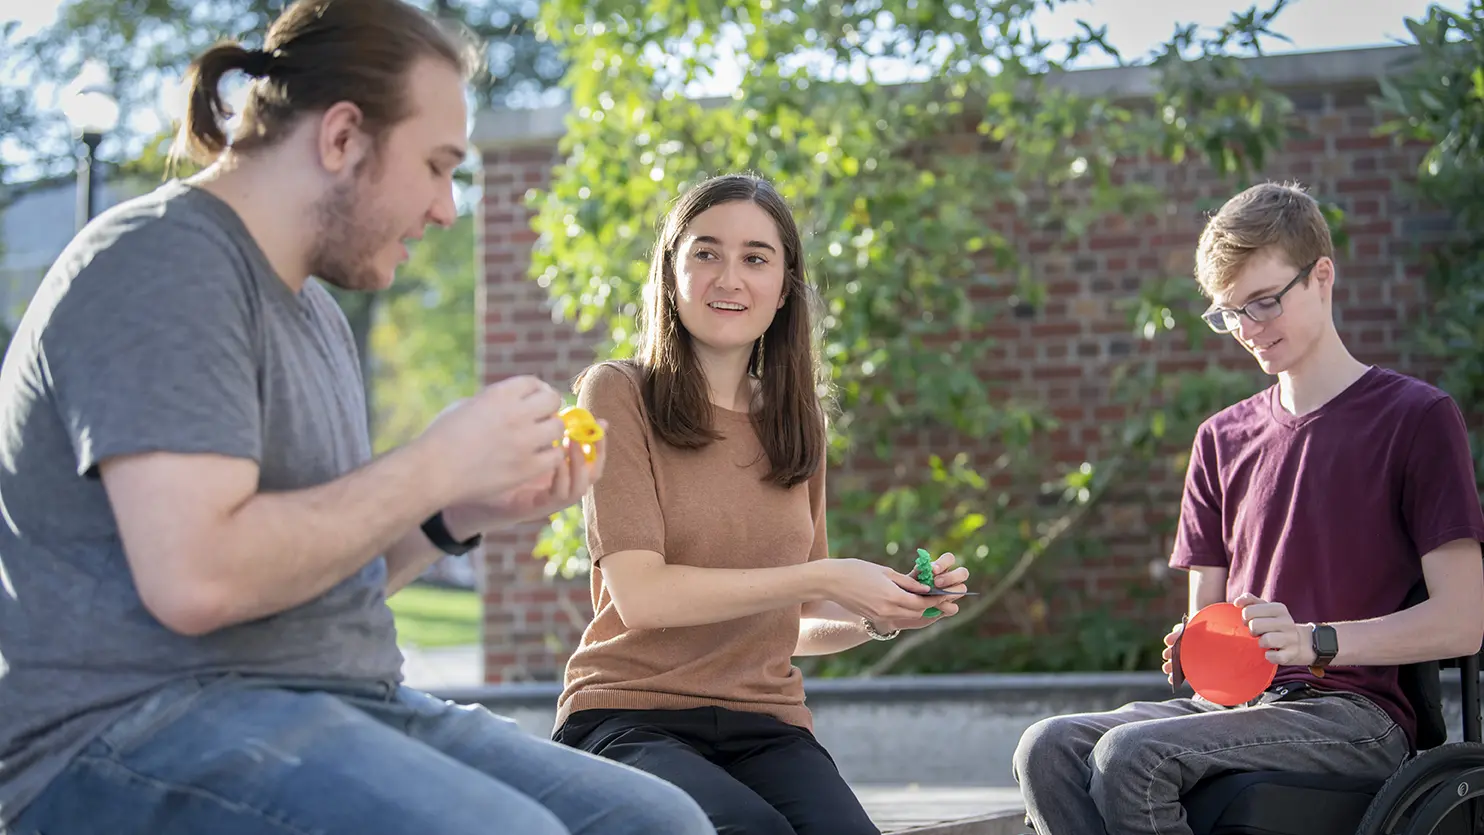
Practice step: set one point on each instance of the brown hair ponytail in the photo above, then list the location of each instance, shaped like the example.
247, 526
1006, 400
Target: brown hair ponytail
202, 134
318, 53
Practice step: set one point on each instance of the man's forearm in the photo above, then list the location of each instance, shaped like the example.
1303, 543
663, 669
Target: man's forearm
1207, 587
1449, 624
414, 553
827, 628
1425, 632
283, 549
408, 558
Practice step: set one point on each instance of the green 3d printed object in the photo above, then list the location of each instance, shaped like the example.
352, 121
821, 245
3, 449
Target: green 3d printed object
925, 576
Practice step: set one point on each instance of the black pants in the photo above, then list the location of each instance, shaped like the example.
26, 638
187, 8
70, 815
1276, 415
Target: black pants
753, 774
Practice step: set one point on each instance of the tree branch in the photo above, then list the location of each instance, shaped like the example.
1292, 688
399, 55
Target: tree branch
1028, 558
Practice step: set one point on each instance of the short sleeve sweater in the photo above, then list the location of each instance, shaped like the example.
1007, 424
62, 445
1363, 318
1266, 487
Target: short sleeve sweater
709, 508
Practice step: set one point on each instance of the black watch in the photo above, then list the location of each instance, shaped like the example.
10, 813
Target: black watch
437, 532
1326, 644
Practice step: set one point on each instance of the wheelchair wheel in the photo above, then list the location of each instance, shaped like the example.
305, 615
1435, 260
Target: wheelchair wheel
1427, 791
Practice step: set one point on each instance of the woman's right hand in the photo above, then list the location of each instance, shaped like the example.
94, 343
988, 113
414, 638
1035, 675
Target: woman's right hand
875, 592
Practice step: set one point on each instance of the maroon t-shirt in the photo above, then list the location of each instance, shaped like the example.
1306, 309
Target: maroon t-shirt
1330, 513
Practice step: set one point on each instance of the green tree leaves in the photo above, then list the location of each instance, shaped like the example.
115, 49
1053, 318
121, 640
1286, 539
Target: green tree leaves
424, 338
1439, 100
897, 129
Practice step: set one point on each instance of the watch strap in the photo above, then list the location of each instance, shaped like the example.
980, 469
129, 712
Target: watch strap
436, 530
1322, 640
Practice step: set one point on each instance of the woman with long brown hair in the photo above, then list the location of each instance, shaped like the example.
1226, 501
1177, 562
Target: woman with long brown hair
711, 566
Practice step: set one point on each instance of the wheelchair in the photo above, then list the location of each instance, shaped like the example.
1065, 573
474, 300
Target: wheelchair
1438, 791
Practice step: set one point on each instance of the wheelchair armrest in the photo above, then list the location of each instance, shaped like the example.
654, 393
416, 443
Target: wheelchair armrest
1460, 662
1468, 662
1468, 685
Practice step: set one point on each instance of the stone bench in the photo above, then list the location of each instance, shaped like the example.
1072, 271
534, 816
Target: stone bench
928, 755
916, 810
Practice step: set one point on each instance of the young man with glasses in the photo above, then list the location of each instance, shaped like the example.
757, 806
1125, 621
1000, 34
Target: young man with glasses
1315, 506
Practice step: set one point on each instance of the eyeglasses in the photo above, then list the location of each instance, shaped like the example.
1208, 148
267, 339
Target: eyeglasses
1265, 309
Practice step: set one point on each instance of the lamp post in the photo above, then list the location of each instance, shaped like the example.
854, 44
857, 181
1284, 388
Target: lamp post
92, 113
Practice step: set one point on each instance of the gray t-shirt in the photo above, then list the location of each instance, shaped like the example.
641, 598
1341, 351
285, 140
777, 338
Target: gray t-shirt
162, 327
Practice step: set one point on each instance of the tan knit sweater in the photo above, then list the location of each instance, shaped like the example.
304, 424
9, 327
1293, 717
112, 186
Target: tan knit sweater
708, 508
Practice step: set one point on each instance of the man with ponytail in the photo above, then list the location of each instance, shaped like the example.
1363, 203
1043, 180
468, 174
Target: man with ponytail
197, 544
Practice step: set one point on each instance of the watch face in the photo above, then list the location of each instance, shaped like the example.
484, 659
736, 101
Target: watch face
1325, 640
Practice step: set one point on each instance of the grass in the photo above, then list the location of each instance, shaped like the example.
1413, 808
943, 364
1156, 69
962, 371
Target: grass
429, 616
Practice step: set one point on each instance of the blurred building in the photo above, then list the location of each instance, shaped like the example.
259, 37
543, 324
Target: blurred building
37, 219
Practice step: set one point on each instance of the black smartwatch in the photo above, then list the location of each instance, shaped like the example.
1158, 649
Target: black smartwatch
1326, 644
437, 532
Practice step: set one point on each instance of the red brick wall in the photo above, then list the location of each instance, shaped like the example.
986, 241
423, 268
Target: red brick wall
1061, 355
1064, 354
528, 621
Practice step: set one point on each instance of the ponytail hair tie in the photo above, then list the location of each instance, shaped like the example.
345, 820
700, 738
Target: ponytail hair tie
258, 63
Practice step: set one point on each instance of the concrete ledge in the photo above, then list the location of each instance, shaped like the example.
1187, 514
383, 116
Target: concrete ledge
1291, 70
501, 128
972, 686
1003, 823
890, 731
506, 128
929, 810
993, 687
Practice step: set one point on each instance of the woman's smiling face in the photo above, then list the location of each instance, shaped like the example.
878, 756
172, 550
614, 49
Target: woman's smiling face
729, 275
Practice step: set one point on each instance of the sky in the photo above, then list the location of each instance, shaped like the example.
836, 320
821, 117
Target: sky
1134, 28
1134, 25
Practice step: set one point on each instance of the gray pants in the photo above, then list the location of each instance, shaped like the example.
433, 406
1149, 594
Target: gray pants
1123, 771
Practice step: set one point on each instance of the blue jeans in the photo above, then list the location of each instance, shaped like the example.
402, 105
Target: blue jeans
232, 755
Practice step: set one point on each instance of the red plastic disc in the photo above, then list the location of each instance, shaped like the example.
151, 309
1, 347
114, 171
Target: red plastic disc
1221, 658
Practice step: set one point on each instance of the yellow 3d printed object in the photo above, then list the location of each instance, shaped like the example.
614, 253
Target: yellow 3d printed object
582, 428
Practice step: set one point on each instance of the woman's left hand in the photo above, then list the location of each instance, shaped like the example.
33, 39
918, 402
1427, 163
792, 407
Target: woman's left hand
947, 575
